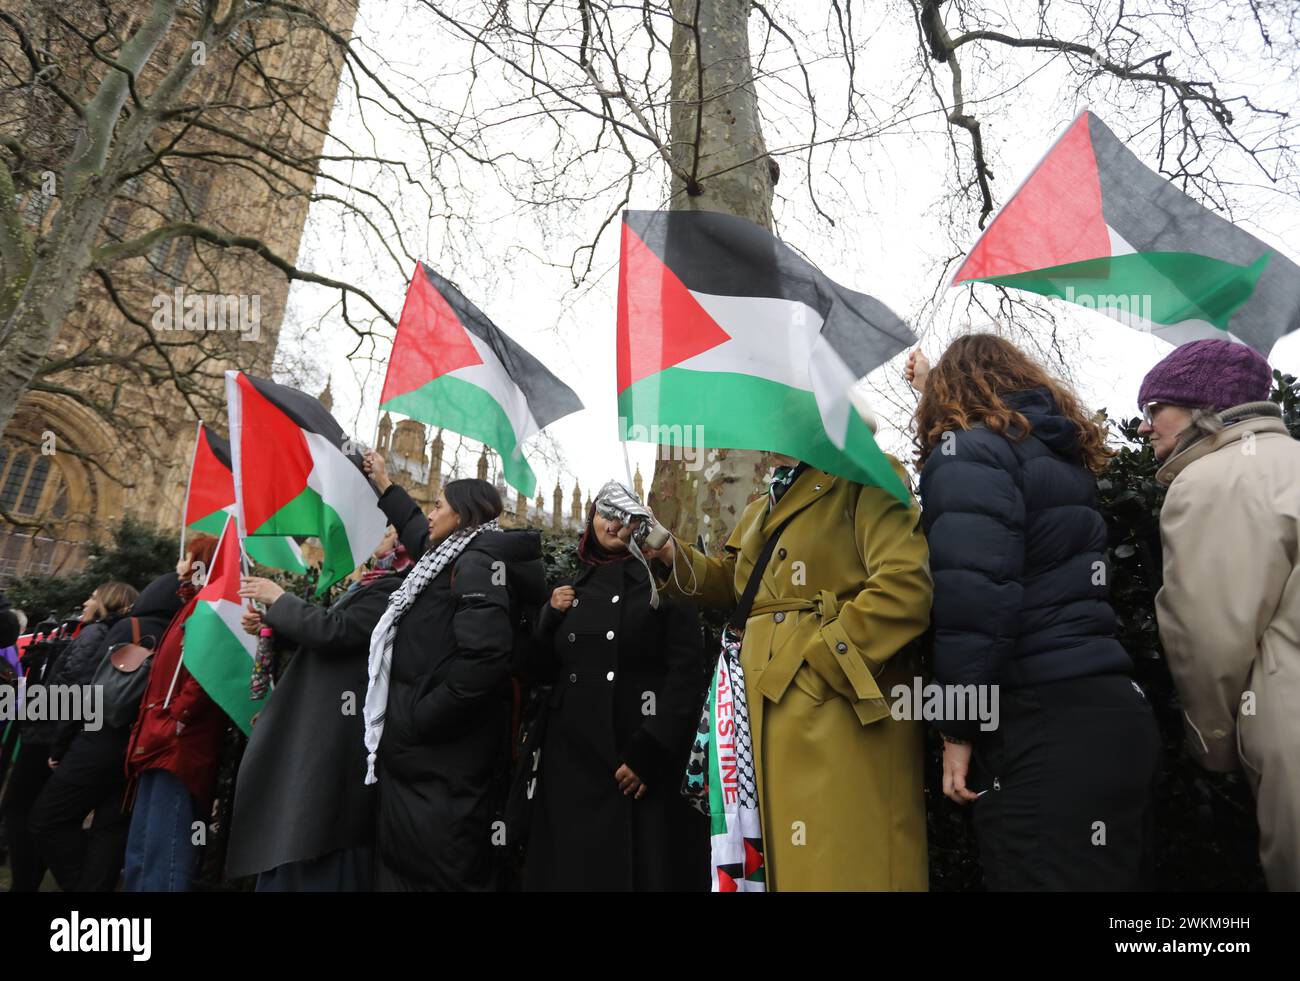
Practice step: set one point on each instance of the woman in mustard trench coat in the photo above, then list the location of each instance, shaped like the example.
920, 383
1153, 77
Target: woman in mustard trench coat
839, 778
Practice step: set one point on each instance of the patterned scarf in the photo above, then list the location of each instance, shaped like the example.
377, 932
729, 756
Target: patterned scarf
390, 563
720, 780
400, 600
782, 479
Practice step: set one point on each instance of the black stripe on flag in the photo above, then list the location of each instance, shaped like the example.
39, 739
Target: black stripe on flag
728, 256
548, 397
220, 447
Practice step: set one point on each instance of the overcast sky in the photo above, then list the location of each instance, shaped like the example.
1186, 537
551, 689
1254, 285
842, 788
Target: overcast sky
887, 197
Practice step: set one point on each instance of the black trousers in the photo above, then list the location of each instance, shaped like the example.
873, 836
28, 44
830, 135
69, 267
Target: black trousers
27, 777
1069, 775
82, 860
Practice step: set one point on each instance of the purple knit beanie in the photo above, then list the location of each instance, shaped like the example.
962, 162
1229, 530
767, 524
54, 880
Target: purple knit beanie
1211, 374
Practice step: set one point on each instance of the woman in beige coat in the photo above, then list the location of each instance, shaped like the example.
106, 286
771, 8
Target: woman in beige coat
1229, 611
839, 779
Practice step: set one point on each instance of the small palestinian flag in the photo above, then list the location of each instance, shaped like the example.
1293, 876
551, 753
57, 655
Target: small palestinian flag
296, 473
728, 338
1094, 226
452, 367
210, 499
215, 649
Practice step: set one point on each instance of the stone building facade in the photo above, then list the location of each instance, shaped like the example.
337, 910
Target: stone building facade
68, 471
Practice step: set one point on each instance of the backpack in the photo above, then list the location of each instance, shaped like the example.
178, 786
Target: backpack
124, 675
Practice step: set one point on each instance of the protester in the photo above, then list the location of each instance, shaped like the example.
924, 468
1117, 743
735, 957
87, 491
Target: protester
173, 753
628, 680
303, 818
1021, 602
839, 780
9, 629
31, 767
89, 770
1229, 610
438, 704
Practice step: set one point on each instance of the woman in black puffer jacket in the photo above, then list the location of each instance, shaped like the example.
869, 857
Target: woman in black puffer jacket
1061, 773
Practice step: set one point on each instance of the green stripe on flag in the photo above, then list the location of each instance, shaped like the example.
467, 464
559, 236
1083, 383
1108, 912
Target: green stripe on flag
220, 663
1162, 287
465, 408
308, 514
275, 551
210, 524
746, 412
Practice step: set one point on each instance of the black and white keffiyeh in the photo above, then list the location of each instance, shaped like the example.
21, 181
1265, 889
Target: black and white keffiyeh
425, 571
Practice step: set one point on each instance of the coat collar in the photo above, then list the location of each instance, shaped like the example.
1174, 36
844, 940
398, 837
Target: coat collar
808, 486
1238, 424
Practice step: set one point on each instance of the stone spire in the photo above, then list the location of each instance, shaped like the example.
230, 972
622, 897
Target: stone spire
575, 512
326, 398
435, 466
483, 464
557, 517
385, 432
540, 504
638, 484
521, 508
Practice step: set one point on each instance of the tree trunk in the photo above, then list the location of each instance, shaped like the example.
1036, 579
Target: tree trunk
717, 133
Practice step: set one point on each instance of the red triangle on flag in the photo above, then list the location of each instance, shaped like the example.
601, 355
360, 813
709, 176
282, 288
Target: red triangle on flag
753, 859
211, 485
1055, 218
660, 323
725, 882
275, 460
431, 341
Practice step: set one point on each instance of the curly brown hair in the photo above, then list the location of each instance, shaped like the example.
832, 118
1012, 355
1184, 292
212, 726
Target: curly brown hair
966, 385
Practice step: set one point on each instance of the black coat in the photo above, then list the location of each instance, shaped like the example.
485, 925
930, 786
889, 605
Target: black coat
443, 760
300, 792
75, 666
97, 757
629, 685
1018, 554
8, 623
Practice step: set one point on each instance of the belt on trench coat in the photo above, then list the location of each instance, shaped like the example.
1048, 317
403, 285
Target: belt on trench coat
835, 659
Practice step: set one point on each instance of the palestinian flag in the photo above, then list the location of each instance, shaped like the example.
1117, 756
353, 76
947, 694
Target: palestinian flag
725, 332
452, 367
215, 648
297, 473
210, 499
1094, 226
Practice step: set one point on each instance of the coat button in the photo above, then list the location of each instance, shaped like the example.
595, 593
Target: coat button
572, 638
841, 647
780, 553
575, 601
610, 676
615, 599
573, 679
779, 616
610, 635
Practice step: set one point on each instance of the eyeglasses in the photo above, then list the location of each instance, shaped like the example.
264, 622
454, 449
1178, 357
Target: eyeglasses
1151, 410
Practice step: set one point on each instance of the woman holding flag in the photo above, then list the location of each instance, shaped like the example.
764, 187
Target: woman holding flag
437, 709
171, 760
838, 584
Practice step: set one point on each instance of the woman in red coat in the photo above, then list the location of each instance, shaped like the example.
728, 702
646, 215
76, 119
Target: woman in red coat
171, 761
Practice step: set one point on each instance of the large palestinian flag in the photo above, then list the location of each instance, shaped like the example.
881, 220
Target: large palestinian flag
452, 367
215, 649
728, 338
297, 473
210, 499
1093, 225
